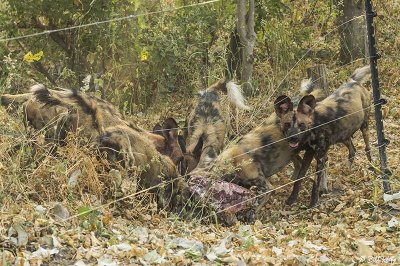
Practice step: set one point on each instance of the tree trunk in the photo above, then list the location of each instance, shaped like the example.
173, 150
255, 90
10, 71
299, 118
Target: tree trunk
233, 59
318, 75
247, 37
353, 33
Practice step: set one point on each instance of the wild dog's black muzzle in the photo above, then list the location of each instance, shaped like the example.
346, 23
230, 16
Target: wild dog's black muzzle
293, 138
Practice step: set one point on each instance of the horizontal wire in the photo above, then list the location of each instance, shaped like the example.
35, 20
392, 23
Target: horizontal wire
106, 21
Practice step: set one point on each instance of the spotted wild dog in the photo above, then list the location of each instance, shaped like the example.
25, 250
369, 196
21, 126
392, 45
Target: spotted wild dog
58, 112
206, 125
333, 120
259, 154
100, 123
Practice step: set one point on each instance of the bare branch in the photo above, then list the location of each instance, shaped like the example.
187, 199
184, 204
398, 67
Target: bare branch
241, 20
56, 36
250, 20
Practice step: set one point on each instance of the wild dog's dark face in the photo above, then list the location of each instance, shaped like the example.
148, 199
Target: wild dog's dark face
172, 147
295, 124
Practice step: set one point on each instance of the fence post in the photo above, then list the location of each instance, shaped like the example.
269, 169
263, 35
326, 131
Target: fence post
378, 101
319, 76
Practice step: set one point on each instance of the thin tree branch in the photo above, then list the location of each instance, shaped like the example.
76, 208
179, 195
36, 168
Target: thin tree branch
241, 20
250, 22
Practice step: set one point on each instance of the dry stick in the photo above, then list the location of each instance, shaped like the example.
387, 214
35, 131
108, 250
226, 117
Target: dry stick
107, 21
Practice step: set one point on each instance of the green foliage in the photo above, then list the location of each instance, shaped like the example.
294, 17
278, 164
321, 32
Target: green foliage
185, 50
91, 220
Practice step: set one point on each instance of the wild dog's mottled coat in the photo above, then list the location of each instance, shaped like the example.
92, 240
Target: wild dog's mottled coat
258, 155
206, 126
101, 123
333, 120
59, 112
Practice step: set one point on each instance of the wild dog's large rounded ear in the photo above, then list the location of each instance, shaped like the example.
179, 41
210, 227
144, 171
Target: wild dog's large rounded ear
283, 104
157, 129
170, 128
307, 105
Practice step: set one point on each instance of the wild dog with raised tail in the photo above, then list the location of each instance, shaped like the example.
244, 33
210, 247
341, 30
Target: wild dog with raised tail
259, 154
206, 125
333, 120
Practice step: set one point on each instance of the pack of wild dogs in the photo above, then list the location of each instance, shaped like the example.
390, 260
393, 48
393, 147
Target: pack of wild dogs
232, 179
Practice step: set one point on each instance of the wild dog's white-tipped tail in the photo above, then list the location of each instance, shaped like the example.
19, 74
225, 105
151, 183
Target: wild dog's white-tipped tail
361, 75
235, 95
37, 87
307, 86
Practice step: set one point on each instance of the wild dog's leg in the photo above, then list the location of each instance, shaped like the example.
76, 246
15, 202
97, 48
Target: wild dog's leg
365, 134
297, 166
263, 189
303, 170
321, 158
252, 176
352, 150
320, 172
323, 189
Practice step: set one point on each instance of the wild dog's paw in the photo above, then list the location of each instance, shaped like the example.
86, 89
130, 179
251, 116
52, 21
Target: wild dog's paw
314, 200
323, 190
291, 200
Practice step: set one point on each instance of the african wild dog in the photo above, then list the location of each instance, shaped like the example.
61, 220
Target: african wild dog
59, 112
258, 155
252, 160
165, 138
100, 123
206, 125
333, 120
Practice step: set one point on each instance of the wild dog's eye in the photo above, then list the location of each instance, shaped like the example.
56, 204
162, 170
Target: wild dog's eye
302, 126
286, 125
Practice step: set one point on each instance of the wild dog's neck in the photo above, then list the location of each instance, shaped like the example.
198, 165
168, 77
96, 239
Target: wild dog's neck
157, 140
